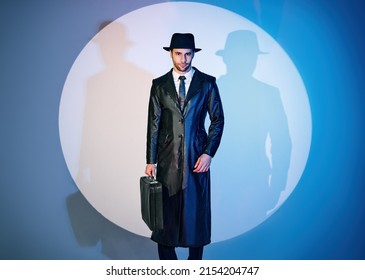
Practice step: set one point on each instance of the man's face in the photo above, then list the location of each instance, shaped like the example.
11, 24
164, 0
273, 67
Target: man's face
182, 59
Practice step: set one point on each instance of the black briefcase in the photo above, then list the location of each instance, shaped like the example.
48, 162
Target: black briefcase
151, 203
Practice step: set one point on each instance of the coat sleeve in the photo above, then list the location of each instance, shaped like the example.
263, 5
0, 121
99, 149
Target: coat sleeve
215, 111
153, 123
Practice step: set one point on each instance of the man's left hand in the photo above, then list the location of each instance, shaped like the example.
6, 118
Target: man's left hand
202, 164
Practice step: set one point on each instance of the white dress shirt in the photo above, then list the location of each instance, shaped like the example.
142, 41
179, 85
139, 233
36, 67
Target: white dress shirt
188, 76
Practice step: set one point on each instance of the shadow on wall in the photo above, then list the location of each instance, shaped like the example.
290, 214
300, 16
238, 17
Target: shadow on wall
103, 142
102, 155
256, 144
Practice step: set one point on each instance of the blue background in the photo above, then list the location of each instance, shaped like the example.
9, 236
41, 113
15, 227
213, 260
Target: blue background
42, 214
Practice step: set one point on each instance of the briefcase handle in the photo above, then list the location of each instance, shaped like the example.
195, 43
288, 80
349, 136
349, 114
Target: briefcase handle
153, 179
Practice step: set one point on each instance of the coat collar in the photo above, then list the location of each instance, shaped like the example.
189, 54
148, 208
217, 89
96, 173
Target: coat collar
170, 86
195, 85
194, 88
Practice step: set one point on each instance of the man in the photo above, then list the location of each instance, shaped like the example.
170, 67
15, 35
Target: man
177, 142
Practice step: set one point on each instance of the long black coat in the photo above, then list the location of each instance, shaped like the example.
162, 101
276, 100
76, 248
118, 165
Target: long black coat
175, 140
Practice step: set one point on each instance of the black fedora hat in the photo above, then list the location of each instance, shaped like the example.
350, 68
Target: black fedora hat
182, 41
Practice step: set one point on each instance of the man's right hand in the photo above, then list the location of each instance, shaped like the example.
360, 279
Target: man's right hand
150, 170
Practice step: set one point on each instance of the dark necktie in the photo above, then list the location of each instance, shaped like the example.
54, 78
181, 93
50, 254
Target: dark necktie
182, 91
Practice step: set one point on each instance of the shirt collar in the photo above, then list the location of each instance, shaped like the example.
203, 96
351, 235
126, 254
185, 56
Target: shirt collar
188, 75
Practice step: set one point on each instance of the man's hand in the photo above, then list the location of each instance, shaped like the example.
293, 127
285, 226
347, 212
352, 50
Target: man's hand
150, 170
202, 164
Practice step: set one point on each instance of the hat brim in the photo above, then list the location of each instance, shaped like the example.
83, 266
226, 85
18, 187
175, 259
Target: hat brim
169, 49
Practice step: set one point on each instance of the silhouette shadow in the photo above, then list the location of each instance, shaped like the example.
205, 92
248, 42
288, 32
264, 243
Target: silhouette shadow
254, 155
102, 150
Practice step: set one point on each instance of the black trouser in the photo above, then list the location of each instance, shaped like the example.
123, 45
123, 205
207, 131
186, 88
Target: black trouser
169, 253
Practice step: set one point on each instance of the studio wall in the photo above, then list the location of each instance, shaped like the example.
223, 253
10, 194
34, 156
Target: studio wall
43, 214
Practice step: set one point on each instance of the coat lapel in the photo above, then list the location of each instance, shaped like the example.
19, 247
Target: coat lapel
169, 86
195, 86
